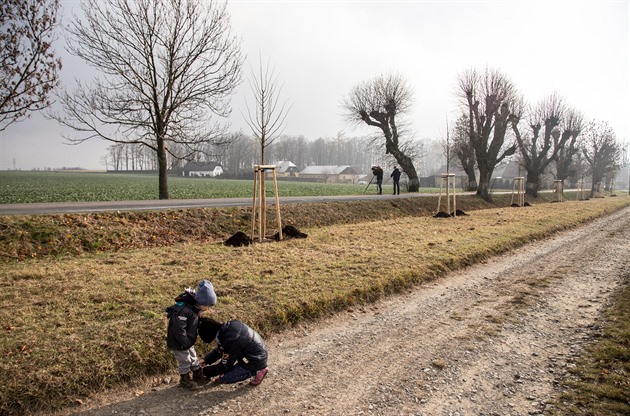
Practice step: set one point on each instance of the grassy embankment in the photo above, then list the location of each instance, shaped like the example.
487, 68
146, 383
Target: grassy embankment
76, 321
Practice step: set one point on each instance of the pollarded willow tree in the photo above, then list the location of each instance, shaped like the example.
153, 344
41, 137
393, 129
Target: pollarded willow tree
30, 69
492, 104
601, 151
565, 163
167, 67
551, 126
382, 102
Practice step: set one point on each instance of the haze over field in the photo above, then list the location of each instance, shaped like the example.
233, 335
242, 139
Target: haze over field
321, 49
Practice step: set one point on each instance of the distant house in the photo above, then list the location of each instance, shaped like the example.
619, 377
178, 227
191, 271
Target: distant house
331, 174
202, 169
286, 168
435, 179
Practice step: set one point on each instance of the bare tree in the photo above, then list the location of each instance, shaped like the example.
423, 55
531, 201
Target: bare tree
167, 67
464, 152
380, 102
29, 70
601, 151
551, 126
571, 126
270, 114
492, 104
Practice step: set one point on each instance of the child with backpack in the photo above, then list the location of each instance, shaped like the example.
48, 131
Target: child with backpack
183, 320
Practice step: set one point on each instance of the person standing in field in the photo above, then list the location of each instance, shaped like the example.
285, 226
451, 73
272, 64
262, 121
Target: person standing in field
183, 320
396, 178
377, 171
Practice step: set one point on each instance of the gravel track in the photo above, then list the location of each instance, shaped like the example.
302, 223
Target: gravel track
493, 339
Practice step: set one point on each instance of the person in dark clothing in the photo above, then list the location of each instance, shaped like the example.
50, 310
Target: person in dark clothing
396, 177
378, 173
240, 353
181, 334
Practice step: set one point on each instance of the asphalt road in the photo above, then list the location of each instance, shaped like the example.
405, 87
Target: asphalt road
172, 204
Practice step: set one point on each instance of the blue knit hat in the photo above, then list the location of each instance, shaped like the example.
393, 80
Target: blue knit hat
205, 294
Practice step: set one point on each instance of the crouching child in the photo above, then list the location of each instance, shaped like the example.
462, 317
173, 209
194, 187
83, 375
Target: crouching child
183, 320
240, 352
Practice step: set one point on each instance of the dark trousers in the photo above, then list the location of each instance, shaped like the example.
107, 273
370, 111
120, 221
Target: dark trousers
231, 375
396, 187
379, 186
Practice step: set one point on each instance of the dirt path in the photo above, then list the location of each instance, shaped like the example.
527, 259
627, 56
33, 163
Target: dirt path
494, 339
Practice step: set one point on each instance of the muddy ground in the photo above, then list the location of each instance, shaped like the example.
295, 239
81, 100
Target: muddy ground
493, 339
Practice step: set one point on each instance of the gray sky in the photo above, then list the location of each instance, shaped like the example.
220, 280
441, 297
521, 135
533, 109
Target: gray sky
321, 49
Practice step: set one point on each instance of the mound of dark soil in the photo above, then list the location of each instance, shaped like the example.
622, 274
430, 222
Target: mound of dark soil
237, 240
459, 212
289, 231
442, 214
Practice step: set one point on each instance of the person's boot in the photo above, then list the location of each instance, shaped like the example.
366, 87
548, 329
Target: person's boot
198, 377
186, 381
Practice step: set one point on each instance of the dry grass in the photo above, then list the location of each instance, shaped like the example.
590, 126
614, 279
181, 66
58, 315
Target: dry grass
74, 325
600, 384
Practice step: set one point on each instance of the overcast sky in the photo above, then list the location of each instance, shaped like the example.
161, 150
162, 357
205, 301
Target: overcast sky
321, 49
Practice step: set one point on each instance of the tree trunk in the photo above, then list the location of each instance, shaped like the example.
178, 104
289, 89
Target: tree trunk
162, 169
406, 164
472, 178
483, 188
532, 183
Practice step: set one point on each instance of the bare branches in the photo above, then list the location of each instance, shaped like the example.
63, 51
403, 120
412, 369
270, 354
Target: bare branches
379, 103
29, 70
269, 115
492, 103
167, 67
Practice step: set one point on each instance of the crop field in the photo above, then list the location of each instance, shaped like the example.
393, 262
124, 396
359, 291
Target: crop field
29, 187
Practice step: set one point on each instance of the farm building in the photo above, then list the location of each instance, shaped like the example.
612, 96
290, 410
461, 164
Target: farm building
331, 174
202, 169
286, 168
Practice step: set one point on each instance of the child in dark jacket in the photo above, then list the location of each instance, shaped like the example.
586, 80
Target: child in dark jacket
241, 351
183, 319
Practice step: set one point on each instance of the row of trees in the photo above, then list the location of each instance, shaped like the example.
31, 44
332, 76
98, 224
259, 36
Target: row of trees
496, 124
168, 68
244, 150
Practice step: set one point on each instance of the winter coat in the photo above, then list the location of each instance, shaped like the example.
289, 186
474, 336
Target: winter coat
396, 174
183, 319
238, 342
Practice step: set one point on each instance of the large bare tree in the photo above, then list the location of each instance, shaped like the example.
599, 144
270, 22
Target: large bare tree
381, 102
167, 66
29, 69
463, 150
492, 105
551, 126
601, 151
267, 118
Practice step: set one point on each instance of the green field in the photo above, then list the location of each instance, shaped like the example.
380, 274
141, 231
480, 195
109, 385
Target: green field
29, 187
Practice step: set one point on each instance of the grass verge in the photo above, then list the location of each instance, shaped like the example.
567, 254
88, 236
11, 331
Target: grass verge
600, 383
75, 325
40, 236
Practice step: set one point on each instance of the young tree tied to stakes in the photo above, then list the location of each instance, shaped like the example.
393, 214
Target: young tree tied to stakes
167, 67
540, 146
30, 69
601, 151
381, 102
492, 104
